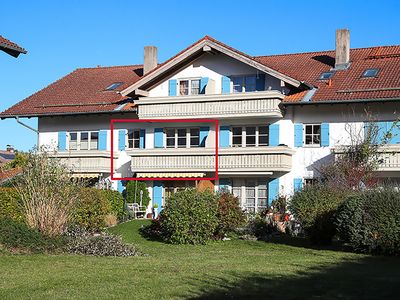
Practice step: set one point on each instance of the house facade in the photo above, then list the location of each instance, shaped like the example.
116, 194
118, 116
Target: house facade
280, 118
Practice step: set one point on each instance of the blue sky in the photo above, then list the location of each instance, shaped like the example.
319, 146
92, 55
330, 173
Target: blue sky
61, 36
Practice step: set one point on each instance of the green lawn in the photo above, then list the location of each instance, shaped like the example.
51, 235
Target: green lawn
231, 269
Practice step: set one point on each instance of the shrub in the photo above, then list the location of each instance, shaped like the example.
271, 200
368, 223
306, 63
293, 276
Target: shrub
230, 215
91, 209
47, 193
11, 204
133, 189
189, 217
18, 237
103, 244
370, 221
314, 207
116, 201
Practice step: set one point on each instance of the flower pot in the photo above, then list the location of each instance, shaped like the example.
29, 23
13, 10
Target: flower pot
149, 216
277, 217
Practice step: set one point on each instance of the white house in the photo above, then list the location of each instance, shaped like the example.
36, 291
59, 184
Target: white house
279, 117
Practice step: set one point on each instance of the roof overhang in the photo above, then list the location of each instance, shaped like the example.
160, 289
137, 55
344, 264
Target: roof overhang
202, 47
12, 50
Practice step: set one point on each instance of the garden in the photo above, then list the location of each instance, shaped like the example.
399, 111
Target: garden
334, 239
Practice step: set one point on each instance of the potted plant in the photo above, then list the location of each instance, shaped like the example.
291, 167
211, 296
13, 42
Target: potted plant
278, 207
155, 211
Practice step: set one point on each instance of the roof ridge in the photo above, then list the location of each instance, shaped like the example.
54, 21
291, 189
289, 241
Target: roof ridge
110, 67
324, 51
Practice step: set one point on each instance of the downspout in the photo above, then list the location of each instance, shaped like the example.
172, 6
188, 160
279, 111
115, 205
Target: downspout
30, 128
27, 126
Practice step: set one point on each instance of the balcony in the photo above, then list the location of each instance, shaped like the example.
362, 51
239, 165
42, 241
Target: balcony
231, 160
390, 155
86, 161
222, 106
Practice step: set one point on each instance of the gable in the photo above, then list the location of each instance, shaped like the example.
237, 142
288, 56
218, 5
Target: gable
206, 45
214, 67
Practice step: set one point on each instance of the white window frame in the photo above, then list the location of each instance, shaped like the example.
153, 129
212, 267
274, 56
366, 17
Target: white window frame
189, 80
133, 139
240, 187
312, 134
187, 184
78, 140
187, 137
244, 136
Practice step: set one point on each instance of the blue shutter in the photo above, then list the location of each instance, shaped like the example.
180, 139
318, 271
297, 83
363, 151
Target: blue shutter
62, 141
273, 190
298, 184
224, 184
120, 186
203, 135
158, 138
298, 135
226, 85
325, 134
367, 128
103, 140
274, 135
172, 87
121, 139
224, 136
260, 82
203, 84
142, 138
157, 194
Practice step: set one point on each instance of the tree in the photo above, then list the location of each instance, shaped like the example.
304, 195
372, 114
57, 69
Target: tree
133, 191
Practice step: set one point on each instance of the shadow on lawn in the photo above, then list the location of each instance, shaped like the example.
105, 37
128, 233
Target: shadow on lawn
364, 278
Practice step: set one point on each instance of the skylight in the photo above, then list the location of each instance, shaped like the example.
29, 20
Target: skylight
326, 76
370, 73
114, 86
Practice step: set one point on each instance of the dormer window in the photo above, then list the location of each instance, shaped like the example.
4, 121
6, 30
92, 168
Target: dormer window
370, 73
113, 86
326, 76
189, 87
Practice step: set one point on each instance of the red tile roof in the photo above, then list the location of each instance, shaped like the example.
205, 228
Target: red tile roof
10, 47
8, 174
345, 85
83, 91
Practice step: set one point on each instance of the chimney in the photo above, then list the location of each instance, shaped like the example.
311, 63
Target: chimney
342, 60
10, 148
150, 59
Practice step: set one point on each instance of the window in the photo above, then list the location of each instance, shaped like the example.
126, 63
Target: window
310, 181
250, 136
182, 137
312, 134
256, 196
195, 87
94, 140
73, 141
114, 86
85, 140
134, 138
326, 75
244, 83
370, 73
237, 136
189, 87
170, 135
194, 137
